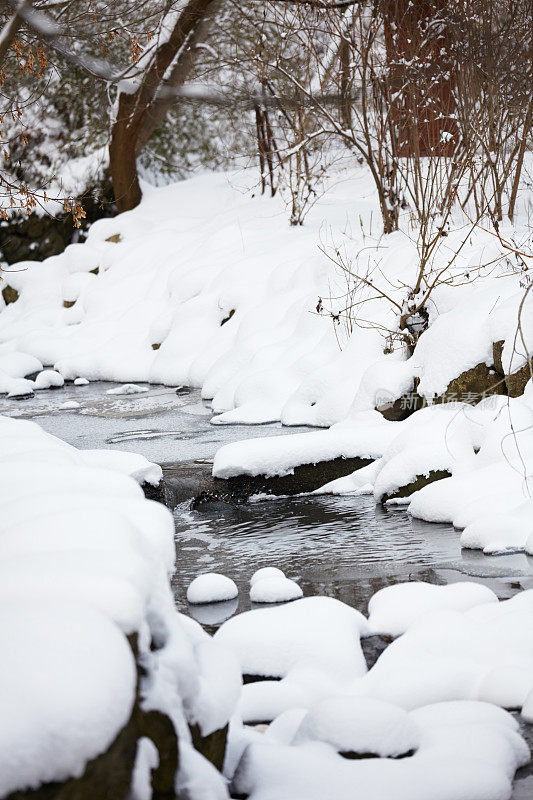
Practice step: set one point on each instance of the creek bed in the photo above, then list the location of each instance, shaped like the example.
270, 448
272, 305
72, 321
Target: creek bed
343, 547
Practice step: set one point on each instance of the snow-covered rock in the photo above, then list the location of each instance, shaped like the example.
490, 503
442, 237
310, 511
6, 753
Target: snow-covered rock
275, 590
49, 379
266, 572
360, 726
394, 609
128, 388
211, 588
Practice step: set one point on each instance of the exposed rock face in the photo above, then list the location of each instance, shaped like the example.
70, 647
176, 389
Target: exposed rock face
193, 481
418, 483
304, 478
474, 384
405, 405
213, 746
107, 777
10, 295
515, 382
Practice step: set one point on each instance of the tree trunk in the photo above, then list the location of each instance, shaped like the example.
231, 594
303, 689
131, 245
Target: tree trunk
422, 76
140, 113
123, 157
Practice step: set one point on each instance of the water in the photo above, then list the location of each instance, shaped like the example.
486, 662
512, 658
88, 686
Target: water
343, 547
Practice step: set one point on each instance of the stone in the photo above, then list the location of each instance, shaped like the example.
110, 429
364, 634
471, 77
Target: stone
115, 238
474, 384
304, 478
213, 746
515, 382
418, 483
10, 295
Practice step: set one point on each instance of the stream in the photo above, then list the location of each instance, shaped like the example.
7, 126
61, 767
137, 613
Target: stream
344, 547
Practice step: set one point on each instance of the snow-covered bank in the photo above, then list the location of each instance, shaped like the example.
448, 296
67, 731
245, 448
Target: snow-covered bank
206, 285
95, 650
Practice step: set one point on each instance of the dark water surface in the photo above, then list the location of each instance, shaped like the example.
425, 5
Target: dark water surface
344, 547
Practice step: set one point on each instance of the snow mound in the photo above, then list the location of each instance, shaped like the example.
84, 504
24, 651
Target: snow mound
275, 590
128, 388
272, 641
81, 382
20, 387
48, 379
266, 572
85, 562
211, 588
463, 758
360, 726
394, 609
69, 709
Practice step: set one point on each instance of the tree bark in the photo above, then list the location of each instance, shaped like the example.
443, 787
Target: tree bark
422, 76
140, 113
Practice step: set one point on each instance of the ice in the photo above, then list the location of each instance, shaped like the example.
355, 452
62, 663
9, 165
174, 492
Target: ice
274, 590
70, 405
128, 388
48, 379
211, 588
394, 609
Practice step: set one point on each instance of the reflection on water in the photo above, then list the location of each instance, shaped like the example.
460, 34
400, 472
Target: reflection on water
345, 547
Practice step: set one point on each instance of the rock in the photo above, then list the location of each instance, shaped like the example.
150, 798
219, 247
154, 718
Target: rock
373, 647
160, 730
115, 238
403, 406
304, 478
213, 746
107, 777
68, 303
33, 237
515, 382
10, 295
418, 483
474, 384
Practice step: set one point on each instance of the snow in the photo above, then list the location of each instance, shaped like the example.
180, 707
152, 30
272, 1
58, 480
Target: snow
394, 609
454, 762
81, 382
448, 655
273, 641
67, 685
211, 588
360, 725
128, 388
48, 379
279, 455
266, 572
274, 590
69, 405
85, 561
19, 387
